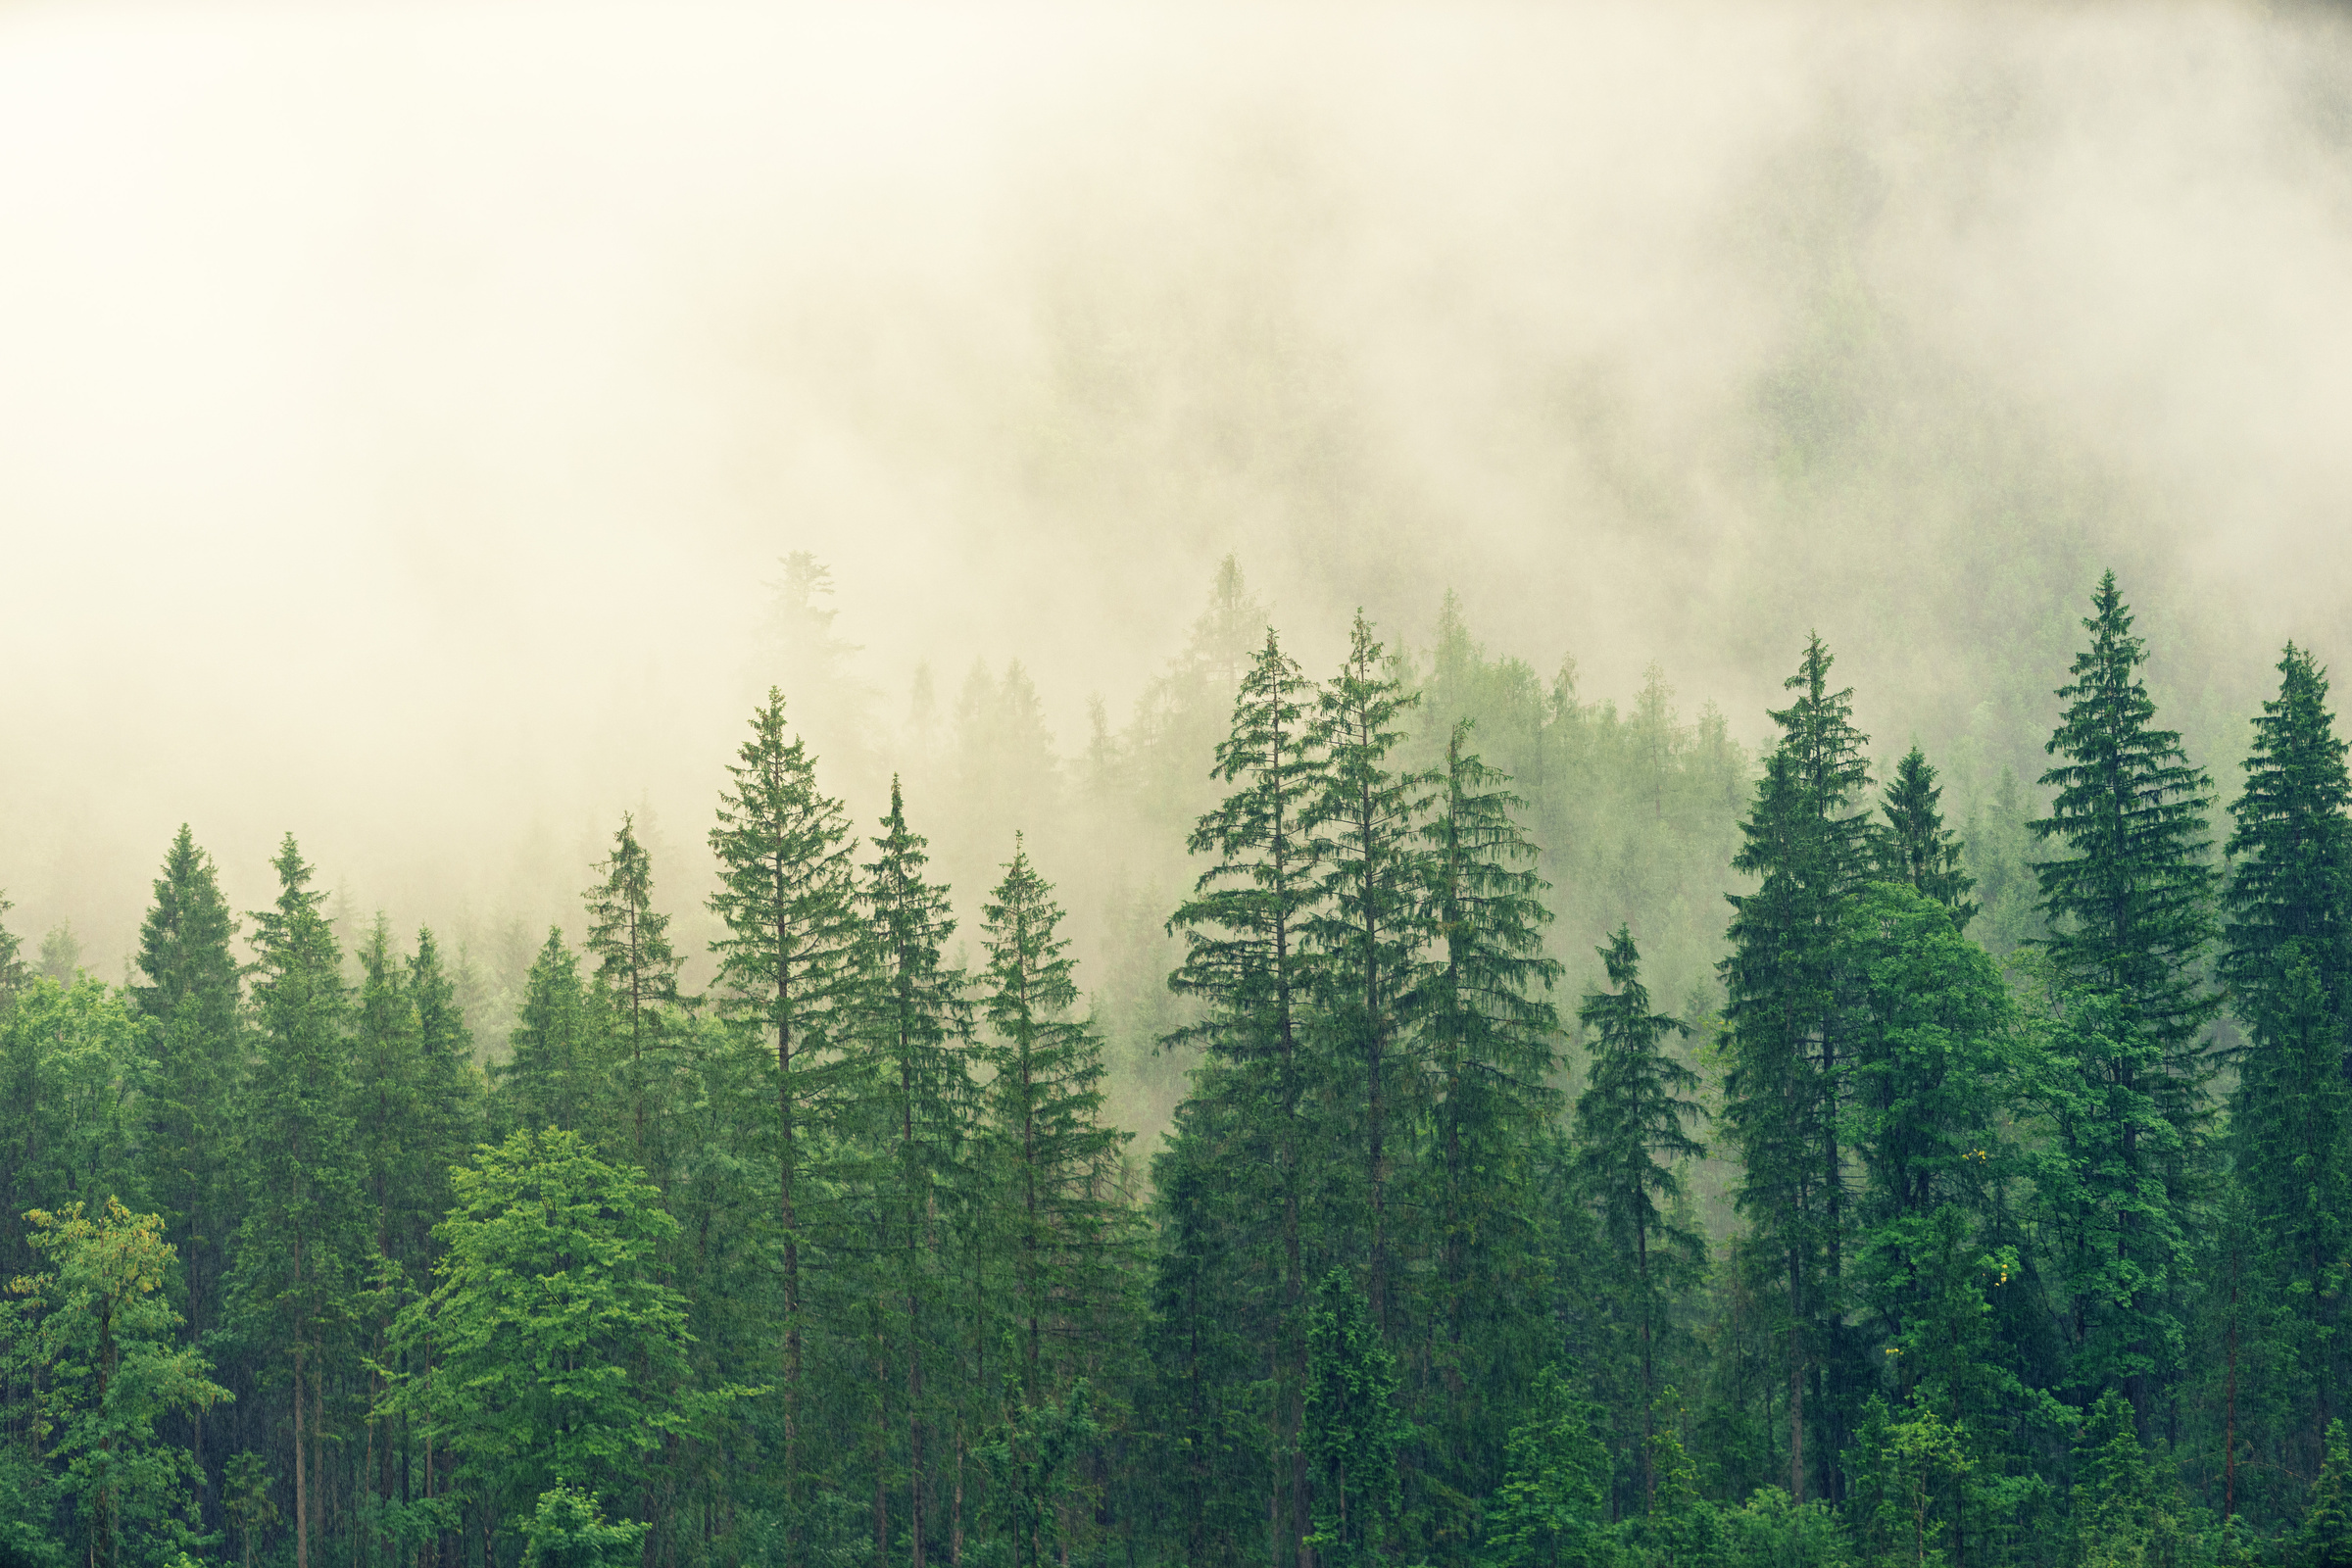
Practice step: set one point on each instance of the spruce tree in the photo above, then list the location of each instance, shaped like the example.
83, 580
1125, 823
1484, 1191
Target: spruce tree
1481, 1007
1055, 1158
1371, 929
1915, 846
787, 900
2128, 903
1631, 1116
12, 970
2287, 955
1245, 963
915, 1036
301, 1243
553, 1075
1808, 843
636, 972
1353, 1426
190, 1000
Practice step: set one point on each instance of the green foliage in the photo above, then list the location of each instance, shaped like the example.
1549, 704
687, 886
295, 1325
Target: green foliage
1916, 847
95, 1334
1031, 1458
548, 1350
1353, 1426
568, 1530
637, 973
1549, 1512
553, 1074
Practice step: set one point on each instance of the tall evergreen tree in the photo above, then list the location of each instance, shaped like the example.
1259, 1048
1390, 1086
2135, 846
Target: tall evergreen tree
1631, 1115
1488, 1034
12, 970
1371, 929
1055, 1156
1353, 1426
190, 999
300, 1247
916, 1034
787, 900
2128, 902
636, 970
1808, 842
2287, 955
1245, 961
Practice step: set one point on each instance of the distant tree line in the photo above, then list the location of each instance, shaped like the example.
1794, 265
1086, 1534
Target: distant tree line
1885, 1244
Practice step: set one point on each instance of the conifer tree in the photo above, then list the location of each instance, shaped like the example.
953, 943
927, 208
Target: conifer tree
2287, 955
190, 999
1054, 1157
635, 969
1487, 1029
300, 1244
2326, 1538
1370, 931
552, 1078
1245, 961
787, 898
13, 973
1916, 847
2128, 903
1809, 843
1631, 1115
915, 1033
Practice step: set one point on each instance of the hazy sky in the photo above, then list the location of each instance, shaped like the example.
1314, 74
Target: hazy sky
401, 405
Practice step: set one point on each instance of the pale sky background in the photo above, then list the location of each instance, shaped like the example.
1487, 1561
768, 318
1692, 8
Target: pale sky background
402, 405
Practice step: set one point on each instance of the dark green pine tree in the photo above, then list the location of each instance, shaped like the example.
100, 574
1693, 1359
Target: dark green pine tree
2129, 901
1915, 846
1808, 842
303, 1237
190, 999
916, 1035
1631, 1116
2286, 952
638, 974
787, 898
1371, 929
1488, 1035
1245, 962
552, 1077
1055, 1161
447, 1121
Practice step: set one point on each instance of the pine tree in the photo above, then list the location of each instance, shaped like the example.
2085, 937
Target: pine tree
1488, 1029
2128, 906
1916, 847
1245, 961
552, 1076
191, 1002
2326, 1538
916, 1034
787, 898
1055, 1156
1634, 1113
13, 973
299, 1246
635, 969
1365, 824
1787, 1011
2287, 955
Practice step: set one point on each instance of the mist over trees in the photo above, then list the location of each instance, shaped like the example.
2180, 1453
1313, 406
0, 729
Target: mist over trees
1399, 1113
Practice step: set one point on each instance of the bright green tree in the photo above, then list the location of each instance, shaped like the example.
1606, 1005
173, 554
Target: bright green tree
1551, 1510
557, 1357
96, 1333
554, 1075
2326, 1538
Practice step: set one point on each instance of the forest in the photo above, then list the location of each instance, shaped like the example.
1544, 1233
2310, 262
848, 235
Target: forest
1567, 1138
